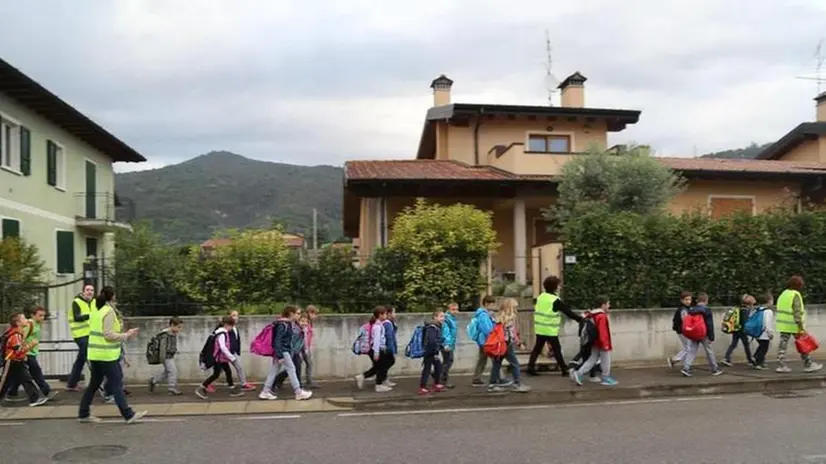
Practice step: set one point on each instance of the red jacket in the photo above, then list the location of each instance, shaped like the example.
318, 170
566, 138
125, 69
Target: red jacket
600, 318
15, 349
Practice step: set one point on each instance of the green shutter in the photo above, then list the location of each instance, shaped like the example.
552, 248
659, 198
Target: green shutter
25, 151
11, 228
65, 252
51, 163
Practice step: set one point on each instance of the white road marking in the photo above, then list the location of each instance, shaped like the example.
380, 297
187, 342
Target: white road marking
148, 420
10, 424
518, 408
294, 416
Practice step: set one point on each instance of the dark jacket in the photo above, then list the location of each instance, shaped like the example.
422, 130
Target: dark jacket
390, 337
562, 307
677, 320
432, 342
282, 338
76, 310
708, 318
235, 341
168, 344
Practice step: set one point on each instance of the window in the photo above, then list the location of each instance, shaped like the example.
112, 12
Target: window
10, 145
10, 228
722, 206
65, 252
91, 246
549, 143
55, 165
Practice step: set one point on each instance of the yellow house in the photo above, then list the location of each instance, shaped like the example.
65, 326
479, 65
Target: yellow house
507, 159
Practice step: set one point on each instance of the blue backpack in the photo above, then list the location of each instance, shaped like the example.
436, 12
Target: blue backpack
415, 347
479, 329
754, 324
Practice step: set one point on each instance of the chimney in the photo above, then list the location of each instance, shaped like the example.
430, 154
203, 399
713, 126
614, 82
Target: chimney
441, 90
821, 107
573, 91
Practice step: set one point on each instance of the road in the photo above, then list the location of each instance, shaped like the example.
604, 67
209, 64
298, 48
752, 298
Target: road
727, 429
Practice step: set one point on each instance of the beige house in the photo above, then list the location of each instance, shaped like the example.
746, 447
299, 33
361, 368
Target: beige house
507, 159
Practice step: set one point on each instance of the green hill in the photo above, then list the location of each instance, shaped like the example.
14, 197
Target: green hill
749, 152
190, 201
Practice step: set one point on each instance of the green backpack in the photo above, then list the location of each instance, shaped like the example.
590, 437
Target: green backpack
731, 321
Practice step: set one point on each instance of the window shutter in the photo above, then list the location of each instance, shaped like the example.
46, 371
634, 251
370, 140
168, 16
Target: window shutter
11, 228
65, 252
51, 163
25, 151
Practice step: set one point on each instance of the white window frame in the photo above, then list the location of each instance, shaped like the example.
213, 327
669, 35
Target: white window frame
571, 142
753, 199
14, 149
19, 225
61, 168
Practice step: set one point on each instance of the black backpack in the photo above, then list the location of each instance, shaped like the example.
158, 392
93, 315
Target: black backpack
207, 358
4, 338
153, 349
587, 332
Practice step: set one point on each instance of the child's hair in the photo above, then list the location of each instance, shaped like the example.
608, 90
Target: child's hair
289, 310
304, 317
378, 311
437, 312
175, 320
229, 313
795, 282
685, 294
453, 306
488, 300
600, 300
13, 318
228, 320
763, 298
310, 309
507, 311
702, 297
748, 300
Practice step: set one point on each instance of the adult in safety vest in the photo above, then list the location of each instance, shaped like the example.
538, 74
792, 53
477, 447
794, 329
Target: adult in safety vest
547, 319
79, 327
104, 350
791, 322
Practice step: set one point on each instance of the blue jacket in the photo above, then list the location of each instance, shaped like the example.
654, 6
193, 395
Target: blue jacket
449, 331
484, 324
707, 317
432, 339
282, 338
390, 337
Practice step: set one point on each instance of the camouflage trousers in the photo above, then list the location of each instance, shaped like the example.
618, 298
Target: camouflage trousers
783, 346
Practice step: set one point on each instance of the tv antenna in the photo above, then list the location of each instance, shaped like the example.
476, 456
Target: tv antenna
820, 66
551, 82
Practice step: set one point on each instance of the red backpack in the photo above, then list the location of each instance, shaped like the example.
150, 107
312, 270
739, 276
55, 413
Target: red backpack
496, 345
694, 327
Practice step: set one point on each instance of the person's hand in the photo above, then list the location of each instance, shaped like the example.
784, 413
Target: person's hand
376, 358
132, 332
522, 346
281, 361
771, 336
447, 348
126, 363
35, 342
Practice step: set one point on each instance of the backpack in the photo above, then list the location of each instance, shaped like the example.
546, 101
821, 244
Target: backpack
415, 347
262, 345
473, 329
364, 340
731, 321
478, 330
694, 327
207, 356
4, 338
496, 345
153, 349
754, 326
587, 332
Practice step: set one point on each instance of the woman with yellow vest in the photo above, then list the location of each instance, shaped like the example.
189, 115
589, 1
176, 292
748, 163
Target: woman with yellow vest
547, 319
79, 326
104, 354
791, 322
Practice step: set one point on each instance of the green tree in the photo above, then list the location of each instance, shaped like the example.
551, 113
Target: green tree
21, 276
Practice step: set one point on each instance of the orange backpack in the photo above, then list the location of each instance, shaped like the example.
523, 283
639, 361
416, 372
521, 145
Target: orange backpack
496, 345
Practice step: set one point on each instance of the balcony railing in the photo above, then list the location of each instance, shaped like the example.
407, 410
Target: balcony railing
103, 210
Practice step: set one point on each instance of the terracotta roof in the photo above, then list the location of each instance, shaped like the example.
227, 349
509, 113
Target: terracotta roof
423, 169
743, 165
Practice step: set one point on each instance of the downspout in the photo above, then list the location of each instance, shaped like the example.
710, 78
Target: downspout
476, 135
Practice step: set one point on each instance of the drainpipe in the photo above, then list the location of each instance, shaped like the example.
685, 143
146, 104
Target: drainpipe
476, 135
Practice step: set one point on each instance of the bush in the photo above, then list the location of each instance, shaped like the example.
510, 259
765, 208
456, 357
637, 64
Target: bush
21, 276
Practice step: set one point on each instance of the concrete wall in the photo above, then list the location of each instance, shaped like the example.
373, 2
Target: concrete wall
638, 336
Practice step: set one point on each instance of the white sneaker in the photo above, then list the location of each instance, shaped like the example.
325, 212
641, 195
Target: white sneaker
383, 388
89, 420
596, 379
390, 383
303, 395
813, 367
39, 401
783, 370
360, 381
268, 396
136, 418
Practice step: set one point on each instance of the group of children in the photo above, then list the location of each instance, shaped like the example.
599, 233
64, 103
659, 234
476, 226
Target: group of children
20, 365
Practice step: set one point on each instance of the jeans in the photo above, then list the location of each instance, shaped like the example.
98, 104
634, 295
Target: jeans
481, 363
431, 365
496, 370
307, 360
679, 357
282, 376
112, 372
380, 367
604, 358
217, 369
693, 346
169, 374
582, 356
739, 337
760, 354
36, 374
17, 372
541, 340
447, 356
80, 361
784, 345
286, 365
242, 378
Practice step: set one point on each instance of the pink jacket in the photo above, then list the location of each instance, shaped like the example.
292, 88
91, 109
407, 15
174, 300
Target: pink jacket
308, 337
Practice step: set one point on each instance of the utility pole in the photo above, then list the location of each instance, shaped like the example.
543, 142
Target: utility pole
315, 229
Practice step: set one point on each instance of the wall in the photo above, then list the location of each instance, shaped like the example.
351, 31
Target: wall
637, 336
767, 194
807, 152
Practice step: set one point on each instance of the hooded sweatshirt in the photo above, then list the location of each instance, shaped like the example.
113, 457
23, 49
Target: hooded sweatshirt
600, 318
222, 340
433, 342
449, 331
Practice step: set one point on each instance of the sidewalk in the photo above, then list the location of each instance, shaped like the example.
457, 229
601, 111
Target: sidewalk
549, 388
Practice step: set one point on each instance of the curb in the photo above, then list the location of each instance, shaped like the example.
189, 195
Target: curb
588, 394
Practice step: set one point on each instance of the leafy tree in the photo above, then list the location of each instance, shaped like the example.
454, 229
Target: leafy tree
21, 273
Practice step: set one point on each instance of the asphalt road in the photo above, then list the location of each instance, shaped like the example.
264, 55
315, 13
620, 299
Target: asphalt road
729, 429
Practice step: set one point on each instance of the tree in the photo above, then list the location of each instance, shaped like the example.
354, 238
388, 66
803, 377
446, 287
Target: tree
631, 180
21, 276
443, 248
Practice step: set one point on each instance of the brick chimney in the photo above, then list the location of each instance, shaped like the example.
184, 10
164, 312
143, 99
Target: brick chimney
821, 107
573, 91
441, 90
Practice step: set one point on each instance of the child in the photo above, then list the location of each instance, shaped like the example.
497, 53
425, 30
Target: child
739, 335
595, 374
483, 322
15, 351
31, 332
693, 346
168, 348
282, 346
296, 349
449, 331
235, 349
379, 355
311, 313
677, 327
433, 345
223, 358
390, 330
601, 347
507, 317
764, 340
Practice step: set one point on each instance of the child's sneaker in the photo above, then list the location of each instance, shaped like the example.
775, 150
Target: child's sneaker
492, 388
478, 383
669, 362
268, 396
303, 395
201, 392
390, 383
210, 389
760, 367
424, 391
151, 385
89, 420
76, 388
39, 401
248, 387
519, 388
438, 388
360, 381
726, 362
235, 392
380, 388
609, 381
813, 367
685, 372
576, 377
783, 370
175, 392
108, 399
596, 379
717, 372
136, 417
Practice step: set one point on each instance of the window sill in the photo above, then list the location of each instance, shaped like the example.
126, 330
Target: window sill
548, 152
62, 189
13, 171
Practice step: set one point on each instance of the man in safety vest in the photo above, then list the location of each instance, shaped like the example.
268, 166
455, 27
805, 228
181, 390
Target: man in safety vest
547, 319
79, 326
104, 354
791, 322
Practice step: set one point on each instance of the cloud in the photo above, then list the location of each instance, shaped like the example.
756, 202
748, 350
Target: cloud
323, 82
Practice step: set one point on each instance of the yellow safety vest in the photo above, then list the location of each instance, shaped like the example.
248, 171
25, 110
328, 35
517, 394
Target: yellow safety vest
101, 349
81, 328
545, 320
785, 313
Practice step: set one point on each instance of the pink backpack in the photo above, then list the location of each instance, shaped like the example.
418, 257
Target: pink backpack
262, 345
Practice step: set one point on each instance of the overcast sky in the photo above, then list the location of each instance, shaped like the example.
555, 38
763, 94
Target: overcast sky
324, 81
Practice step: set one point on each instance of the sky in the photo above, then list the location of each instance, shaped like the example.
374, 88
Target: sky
325, 81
